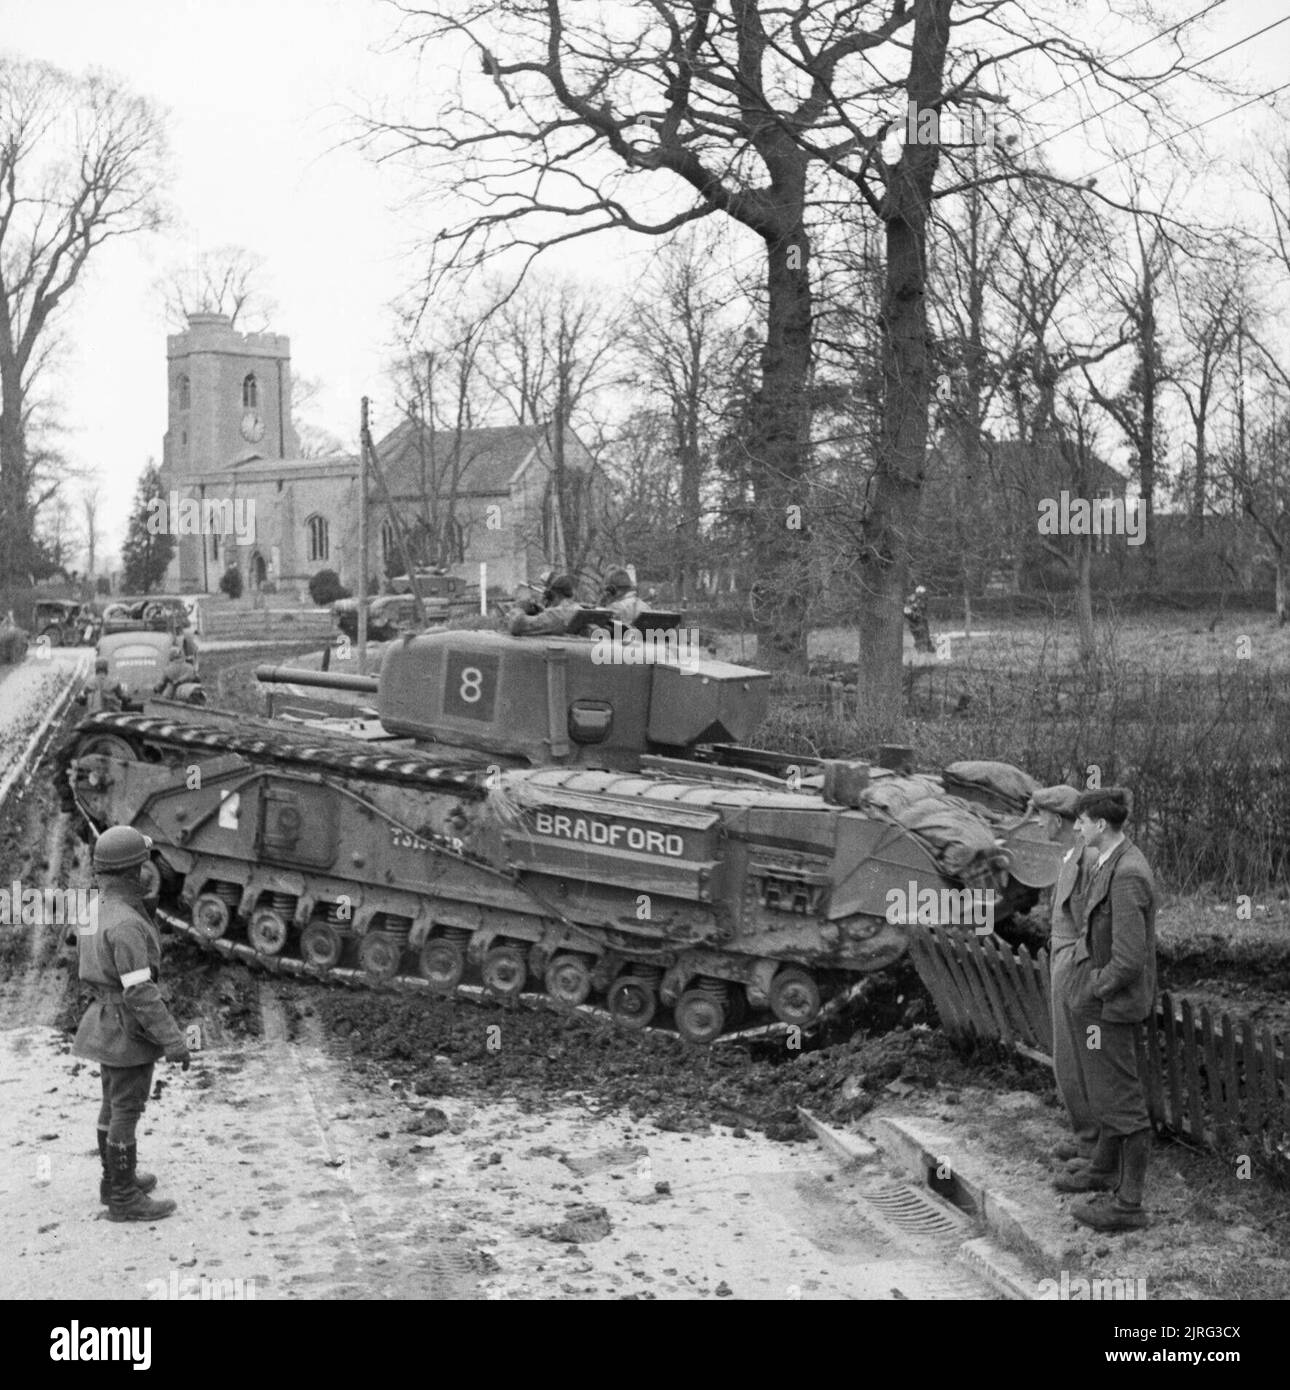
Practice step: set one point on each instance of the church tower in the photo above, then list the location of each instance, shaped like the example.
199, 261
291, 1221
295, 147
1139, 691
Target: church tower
229, 397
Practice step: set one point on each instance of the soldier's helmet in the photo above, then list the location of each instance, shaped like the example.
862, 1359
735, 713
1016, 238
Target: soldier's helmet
121, 847
101, 665
618, 582
562, 584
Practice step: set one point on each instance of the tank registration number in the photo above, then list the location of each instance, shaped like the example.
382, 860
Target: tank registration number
596, 832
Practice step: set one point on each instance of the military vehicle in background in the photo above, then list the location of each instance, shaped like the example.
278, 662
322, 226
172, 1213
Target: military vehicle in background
66, 622
552, 813
443, 597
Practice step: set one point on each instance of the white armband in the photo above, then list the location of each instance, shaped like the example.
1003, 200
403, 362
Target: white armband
136, 977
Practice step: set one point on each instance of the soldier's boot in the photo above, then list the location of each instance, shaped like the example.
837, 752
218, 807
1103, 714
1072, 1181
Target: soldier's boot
1123, 1212
145, 1182
1102, 1174
127, 1202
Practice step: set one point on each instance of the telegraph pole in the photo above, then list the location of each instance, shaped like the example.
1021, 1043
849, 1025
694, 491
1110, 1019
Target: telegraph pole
363, 436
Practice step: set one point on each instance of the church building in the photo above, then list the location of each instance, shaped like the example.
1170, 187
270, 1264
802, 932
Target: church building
484, 494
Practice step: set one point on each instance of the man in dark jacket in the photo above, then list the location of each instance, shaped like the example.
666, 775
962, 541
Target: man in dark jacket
102, 692
128, 1027
1112, 992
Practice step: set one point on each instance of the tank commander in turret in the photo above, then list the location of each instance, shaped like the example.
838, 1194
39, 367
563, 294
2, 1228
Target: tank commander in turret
559, 608
128, 1026
103, 693
621, 599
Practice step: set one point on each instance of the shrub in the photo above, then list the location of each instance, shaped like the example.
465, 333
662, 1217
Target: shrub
103, 585
230, 583
13, 642
325, 588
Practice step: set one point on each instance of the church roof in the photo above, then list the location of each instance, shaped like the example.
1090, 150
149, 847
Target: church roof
491, 460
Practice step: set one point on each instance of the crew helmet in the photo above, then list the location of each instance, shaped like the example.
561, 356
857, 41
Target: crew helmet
101, 665
618, 581
561, 584
121, 847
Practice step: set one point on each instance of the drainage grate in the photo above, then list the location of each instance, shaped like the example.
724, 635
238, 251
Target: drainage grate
912, 1210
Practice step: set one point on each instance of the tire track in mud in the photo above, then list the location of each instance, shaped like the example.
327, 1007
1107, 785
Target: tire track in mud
393, 1249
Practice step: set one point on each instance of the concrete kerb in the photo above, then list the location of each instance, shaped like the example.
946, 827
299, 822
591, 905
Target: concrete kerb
913, 1146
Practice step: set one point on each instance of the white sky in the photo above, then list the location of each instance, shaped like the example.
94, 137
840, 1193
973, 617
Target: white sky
257, 93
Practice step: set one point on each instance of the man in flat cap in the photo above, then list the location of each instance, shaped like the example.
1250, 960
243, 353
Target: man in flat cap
1112, 992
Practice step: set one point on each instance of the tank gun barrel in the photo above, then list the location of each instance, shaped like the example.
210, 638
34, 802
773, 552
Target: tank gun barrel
328, 680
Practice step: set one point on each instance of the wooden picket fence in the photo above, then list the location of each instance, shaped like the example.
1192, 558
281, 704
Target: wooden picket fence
1219, 1082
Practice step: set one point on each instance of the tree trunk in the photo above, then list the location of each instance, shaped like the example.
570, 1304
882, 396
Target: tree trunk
1280, 582
1084, 605
15, 503
782, 415
906, 359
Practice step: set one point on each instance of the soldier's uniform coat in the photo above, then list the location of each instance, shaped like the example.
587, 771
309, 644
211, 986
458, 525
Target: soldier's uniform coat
128, 1024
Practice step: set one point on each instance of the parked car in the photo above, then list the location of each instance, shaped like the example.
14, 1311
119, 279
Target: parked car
159, 613
66, 623
136, 659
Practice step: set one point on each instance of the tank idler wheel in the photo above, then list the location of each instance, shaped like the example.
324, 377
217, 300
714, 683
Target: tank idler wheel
379, 956
568, 980
321, 945
505, 971
443, 963
211, 916
105, 746
699, 1016
632, 1002
267, 931
794, 996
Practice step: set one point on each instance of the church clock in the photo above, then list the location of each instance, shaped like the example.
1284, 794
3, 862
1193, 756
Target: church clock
252, 427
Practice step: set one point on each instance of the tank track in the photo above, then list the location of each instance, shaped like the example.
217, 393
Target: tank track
348, 977
286, 747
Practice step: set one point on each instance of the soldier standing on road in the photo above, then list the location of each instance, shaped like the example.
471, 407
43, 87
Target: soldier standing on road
559, 608
1112, 991
1066, 928
128, 1027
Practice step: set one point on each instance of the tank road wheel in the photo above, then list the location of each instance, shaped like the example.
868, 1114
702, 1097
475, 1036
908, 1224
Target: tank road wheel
700, 1016
380, 956
794, 996
505, 971
443, 963
321, 945
632, 1002
267, 931
568, 980
105, 746
211, 916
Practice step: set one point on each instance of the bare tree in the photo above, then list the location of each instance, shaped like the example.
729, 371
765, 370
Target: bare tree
225, 280
749, 107
80, 162
91, 498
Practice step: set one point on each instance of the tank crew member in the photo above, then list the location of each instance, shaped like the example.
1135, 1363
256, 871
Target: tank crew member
559, 607
103, 693
1112, 990
128, 1026
1058, 803
178, 672
620, 597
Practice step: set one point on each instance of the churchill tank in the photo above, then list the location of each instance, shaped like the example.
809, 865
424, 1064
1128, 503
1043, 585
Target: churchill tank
583, 818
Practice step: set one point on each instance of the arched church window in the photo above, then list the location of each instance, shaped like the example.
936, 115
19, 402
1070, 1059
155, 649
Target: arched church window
250, 392
185, 393
387, 543
319, 541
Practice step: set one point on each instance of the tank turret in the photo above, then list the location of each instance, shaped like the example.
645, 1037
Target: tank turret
596, 702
